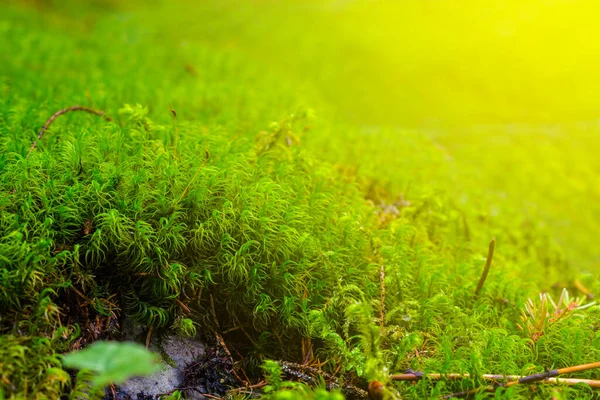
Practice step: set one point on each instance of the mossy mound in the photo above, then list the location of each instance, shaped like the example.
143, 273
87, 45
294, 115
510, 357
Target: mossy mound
283, 239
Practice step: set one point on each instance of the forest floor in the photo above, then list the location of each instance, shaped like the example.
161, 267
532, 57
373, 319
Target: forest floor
282, 188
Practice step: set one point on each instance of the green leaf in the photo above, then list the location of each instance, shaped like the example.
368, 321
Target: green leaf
113, 362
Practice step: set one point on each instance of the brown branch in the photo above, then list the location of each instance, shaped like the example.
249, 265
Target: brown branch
578, 368
486, 269
61, 112
572, 381
488, 377
549, 377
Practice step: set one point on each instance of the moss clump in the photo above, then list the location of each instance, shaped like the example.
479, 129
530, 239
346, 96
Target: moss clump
31, 367
284, 238
257, 239
263, 235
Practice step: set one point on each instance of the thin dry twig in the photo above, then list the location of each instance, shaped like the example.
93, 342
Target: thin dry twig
307, 350
553, 381
176, 130
83, 296
548, 377
486, 269
182, 305
243, 389
490, 377
148, 337
61, 112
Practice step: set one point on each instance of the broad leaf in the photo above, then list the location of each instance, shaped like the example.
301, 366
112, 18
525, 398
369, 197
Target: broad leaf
113, 362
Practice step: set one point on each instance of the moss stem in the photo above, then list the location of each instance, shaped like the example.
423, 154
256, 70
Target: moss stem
486, 269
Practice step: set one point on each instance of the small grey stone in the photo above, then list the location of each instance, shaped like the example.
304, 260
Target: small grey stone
182, 352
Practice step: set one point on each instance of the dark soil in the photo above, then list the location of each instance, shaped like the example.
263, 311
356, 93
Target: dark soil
211, 372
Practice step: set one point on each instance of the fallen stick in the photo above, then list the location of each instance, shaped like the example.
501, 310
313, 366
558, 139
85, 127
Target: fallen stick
548, 377
61, 112
494, 377
545, 377
595, 384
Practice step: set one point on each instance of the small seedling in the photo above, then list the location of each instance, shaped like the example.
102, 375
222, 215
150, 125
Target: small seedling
538, 315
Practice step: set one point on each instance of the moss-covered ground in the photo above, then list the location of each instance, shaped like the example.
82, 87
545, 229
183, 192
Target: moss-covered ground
248, 187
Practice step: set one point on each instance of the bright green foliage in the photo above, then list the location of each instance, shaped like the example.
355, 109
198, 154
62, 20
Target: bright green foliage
23, 358
272, 375
176, 395
113, 362
185, 327
287, 230
83, 388
250, 224
278, 389
304, 392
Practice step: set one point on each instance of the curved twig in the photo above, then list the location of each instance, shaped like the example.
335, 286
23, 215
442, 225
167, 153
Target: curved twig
61, 112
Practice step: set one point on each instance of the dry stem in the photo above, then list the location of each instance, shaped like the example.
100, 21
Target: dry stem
176, 131
548, 377
486, 269
61, 112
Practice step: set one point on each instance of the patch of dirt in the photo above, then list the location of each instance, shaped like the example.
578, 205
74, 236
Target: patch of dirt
212, 371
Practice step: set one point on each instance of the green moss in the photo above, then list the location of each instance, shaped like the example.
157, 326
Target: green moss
281, 236
31, 367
